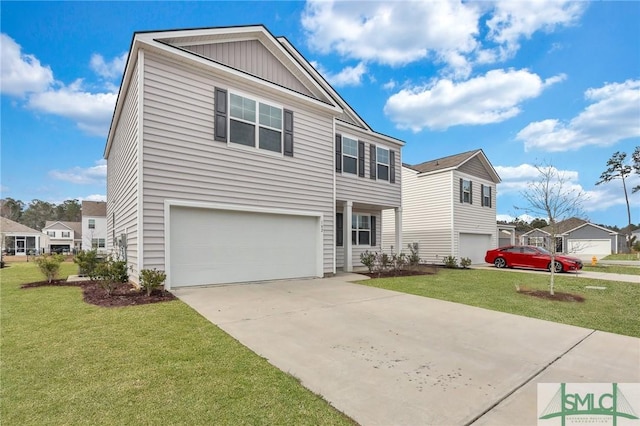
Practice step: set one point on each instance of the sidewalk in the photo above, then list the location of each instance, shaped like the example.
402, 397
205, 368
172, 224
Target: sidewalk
605, 276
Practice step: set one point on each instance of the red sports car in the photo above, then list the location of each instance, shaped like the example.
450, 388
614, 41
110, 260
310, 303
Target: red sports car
530, 257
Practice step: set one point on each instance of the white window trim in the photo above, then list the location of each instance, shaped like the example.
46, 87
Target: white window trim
355, 139
357, 216
466, 192
91, 222
256, 148
486, 197
387, 164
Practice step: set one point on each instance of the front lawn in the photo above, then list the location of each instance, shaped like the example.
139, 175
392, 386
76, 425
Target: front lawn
622, 256
613, 269
614, 309
67, 362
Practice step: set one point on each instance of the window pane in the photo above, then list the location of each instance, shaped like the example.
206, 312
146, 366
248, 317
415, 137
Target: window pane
354, 235
243, 108
242, 133
466, 185
271, 116
354, 221
382, 155
383, 172
349, 147
270, 140
363, 222
349, 165
363, 238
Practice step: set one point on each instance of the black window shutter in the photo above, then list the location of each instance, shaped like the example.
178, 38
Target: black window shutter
339, 230
373, 231
338, 153
220, 123
489, 197
288, 133
360, 158
372, 161
482, 195
392, 167
461, 191
470, 192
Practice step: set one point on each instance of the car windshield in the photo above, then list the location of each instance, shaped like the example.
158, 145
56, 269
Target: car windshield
544, 250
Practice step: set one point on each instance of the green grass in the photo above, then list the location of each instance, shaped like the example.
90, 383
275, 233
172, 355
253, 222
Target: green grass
614, 309
623, 256
66, 362
613, 269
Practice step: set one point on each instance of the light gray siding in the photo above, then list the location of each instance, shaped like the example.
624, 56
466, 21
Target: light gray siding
589, 232
473, 218
475, 167
183, 162
252, 57
350, 187
122, 177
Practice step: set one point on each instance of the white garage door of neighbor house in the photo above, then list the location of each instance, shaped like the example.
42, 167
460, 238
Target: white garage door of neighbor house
474, 246
210, 246
589, 246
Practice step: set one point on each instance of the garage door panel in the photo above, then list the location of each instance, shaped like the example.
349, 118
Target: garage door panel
221, 246
584, 246
474, 246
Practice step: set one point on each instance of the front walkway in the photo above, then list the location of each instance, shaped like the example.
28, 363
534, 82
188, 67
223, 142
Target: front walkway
385, 358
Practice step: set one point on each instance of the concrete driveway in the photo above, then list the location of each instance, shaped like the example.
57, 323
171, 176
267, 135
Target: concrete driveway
388, 358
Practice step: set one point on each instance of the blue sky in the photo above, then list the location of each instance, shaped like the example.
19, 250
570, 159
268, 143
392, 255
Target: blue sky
544, 82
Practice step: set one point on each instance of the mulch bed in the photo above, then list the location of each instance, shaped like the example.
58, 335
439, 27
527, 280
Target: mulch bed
124, 294
558, 296
409, 272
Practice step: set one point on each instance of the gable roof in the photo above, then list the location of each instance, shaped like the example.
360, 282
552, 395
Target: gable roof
569, 225
10, 226
453, 162
172, 42
76, 227
94, 208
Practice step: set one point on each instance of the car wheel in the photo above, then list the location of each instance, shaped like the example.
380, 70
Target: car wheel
500, 262
558, 267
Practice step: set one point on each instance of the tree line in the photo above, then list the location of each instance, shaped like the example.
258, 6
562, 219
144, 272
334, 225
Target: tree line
37, 212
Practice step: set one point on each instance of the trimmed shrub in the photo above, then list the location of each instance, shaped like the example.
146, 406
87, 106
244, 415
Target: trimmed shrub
49, 265
151, 279
450, 262
465, 262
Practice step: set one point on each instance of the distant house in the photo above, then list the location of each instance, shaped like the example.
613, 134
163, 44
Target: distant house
20, 240
448, 208
94, 225
577, 236
231, 159
64, 237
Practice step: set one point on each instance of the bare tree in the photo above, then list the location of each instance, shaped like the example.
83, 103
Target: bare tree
552, 196
618, 169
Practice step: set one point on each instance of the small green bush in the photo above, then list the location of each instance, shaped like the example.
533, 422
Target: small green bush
151, 279
450, 262
465, 262
413, 258
87, 261
368, 259
49, 265
111, 272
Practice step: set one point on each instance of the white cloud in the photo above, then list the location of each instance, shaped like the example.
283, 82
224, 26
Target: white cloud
21, 73
523, 217
491, 98
108, 70
515, 179
94, 197
611, 117
389, 85
91, 111
349, 76
80, 175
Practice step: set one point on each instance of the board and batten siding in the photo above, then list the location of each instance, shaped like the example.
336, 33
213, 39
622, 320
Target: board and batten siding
473, 218
183, 162
357, 250
426, 215
122, 177
252, 57
350, 187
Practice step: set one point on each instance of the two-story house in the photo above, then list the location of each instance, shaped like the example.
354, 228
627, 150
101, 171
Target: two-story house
448, 208
94, 225
64, 237
230, 159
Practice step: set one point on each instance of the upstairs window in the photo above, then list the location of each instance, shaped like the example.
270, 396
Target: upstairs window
382, 157
255, 124
66, 234
349, 155
486, 196
51, 233
466, 189
92, 224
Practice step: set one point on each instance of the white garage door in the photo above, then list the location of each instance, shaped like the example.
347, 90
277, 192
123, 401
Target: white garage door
222, 246
474, 246
589, 246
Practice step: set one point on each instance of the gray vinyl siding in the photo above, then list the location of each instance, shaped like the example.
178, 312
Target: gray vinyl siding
122, 177
475, 167
357, 250
592, 233
252, 57
183, 162
350, 187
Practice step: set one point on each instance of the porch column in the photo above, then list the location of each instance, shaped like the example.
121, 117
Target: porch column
398, 242
347, 212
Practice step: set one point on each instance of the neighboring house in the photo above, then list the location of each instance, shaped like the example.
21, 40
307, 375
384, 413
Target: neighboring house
507, 235
448, 208
230, 159
94, 225
577, 236
20, 240
64, 237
